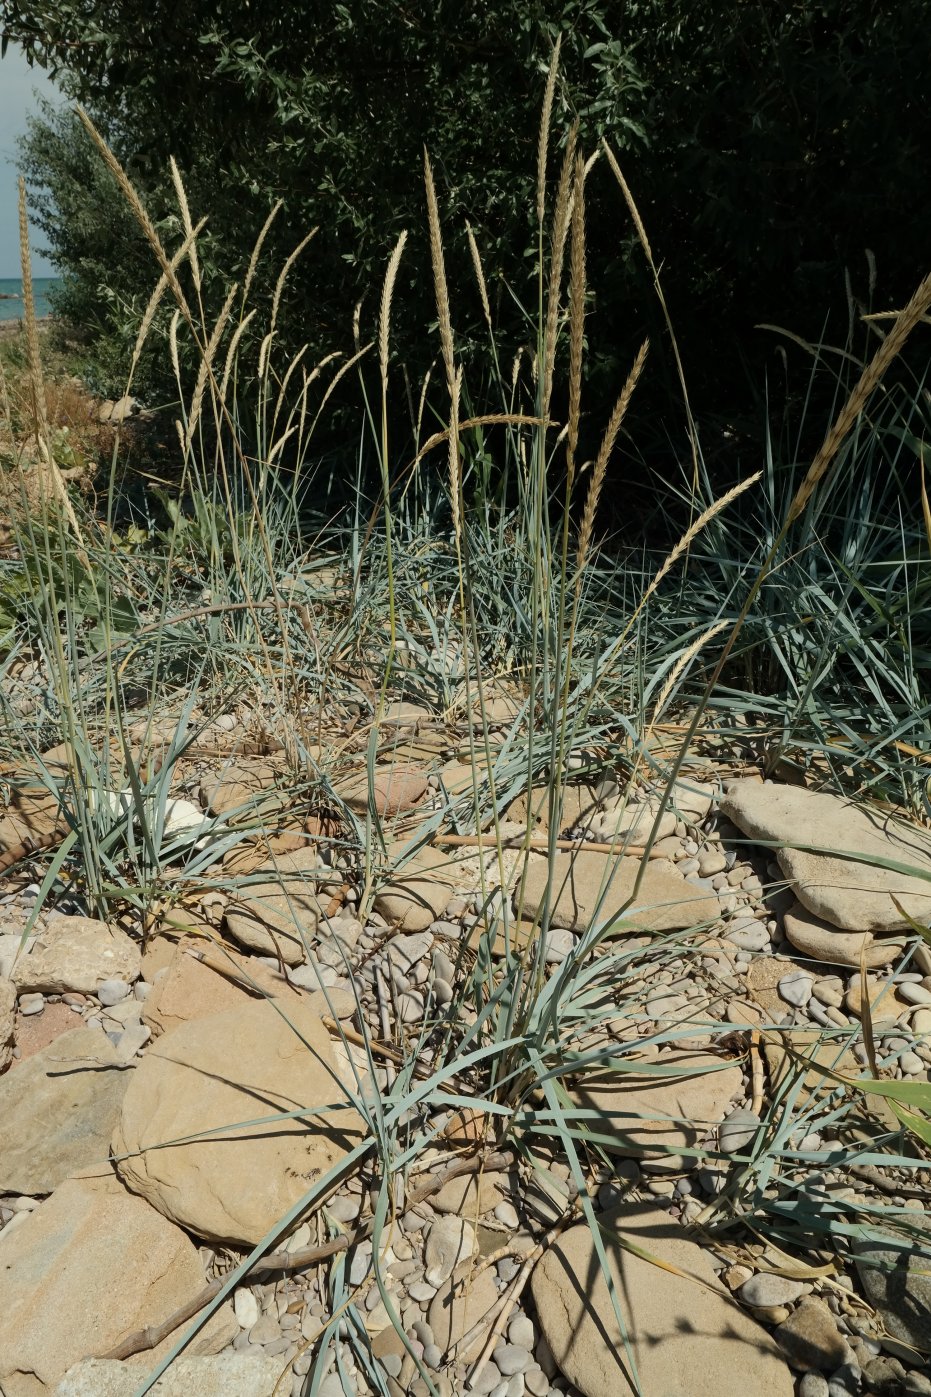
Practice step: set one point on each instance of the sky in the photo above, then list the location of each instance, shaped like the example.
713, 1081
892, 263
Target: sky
18, 86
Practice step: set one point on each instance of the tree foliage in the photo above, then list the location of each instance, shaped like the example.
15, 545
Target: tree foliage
768, 145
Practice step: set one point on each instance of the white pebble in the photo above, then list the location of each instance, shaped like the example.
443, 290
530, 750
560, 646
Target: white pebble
245, 1307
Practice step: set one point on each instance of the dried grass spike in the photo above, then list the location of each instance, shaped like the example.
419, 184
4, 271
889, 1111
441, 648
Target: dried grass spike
544, 137
604, 455
384, 319
181, 194
479, 274
439, 275
576, 310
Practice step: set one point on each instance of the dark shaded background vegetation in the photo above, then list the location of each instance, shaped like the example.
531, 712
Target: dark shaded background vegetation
773, 148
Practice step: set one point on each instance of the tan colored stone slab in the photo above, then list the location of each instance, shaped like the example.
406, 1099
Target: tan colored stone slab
278, 914
822, 941
665, 902
58, 1110
189, 989
243, 1065
685, 1337
245, 790
853, 895
417, 893
7, 1022
75, 953
90, 1265
647, 1115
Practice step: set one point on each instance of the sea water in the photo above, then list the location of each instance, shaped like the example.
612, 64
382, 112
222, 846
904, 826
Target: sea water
11, 296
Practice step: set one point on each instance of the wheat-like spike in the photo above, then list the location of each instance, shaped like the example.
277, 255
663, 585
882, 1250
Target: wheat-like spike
479, 274
604, 455
264, 353
337, 377
135, 203
439, 275
231, 352
629, 199
681, 664
871, 376
145, 324
292, 369
37, 381
257, 250
488, 419
576, 312
181, 194
423, 399
455, 478
283, 276
387, 291
544, 137
515, 368
560, 233
207, 358
173, 347
695, 529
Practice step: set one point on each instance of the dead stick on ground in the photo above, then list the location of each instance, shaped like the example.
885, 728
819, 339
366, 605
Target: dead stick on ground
143, 1339
506, 1304
540, 841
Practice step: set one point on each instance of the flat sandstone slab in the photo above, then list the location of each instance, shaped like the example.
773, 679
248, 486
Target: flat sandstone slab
685, 1337
664, 902
853, 895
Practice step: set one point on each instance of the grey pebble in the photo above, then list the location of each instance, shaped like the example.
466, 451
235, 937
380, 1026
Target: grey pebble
507, 1268
432, 1355
506, 1214
442, 990
112, 992
521, 1333
536, 1382
510, 1360
796, 988
421, 1292
391, 1362
344, 1207
558, 945
737, 1131
846, 1381
911, 1064
410, 1006
813, 1385
749, 938
486, 1379
31, 1003
915, 994
443, 968
764, 1290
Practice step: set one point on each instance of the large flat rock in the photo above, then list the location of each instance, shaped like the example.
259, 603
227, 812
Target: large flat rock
666, 1106
277, 914
89, 1266
589, 884
243, 1065
7, 1021
686, 1334
75, 953
839, 885
222, 1375
58, 1109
